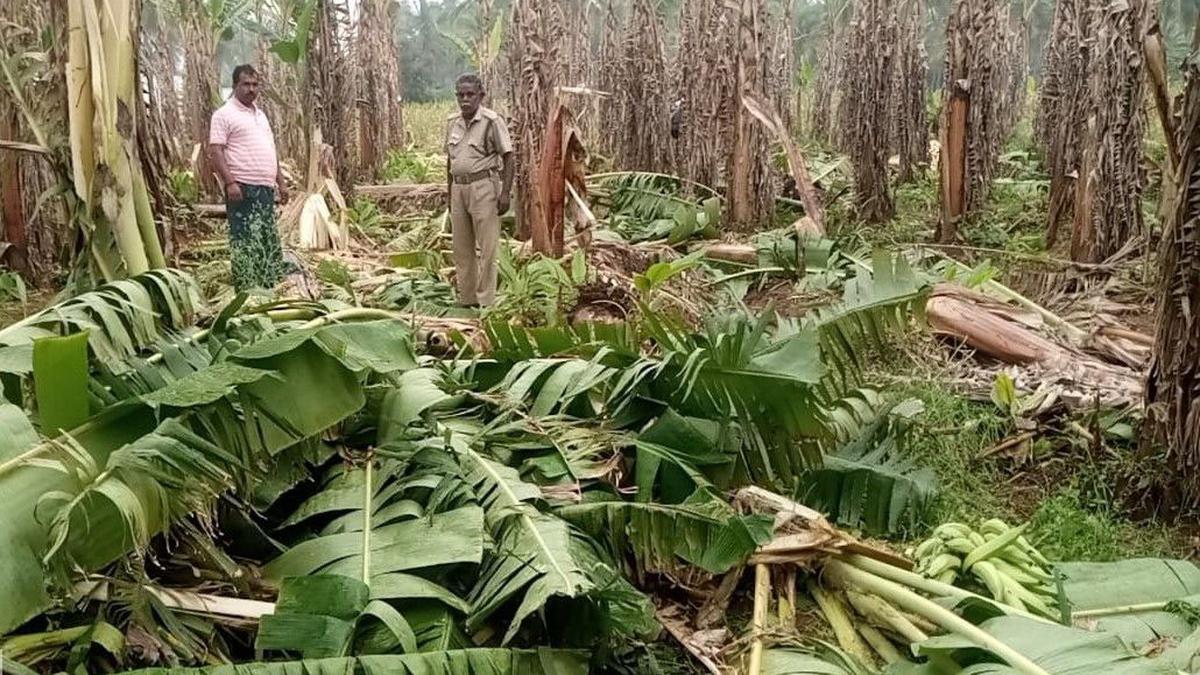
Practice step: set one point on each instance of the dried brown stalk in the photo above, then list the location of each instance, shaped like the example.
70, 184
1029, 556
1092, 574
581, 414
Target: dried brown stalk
1173, 388
827, 88
702, 70
868, 108
535, 50
813, 208
977, 105
748, 166
12, 202
26, 177
380, 117
1108, 211
641, 90
561, 162
158, 150
910, 124
329, 94
608, 78
283, 104
1062, 102
1156, 67
201, 90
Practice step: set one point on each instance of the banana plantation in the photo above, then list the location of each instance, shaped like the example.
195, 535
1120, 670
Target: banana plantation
842, 337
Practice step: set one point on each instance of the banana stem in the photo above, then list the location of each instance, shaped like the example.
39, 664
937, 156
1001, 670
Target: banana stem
884, 614
882, 646
843, 626
930, 586
762, 596
21, 647
198, 336
898, 595
1116, 611
293, 314
352, 314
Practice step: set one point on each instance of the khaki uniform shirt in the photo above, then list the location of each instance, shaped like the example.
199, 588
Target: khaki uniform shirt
479, 145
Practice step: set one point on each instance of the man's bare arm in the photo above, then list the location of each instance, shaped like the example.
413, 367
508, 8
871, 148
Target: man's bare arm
449, 181
216, 153
280, 183
233, 191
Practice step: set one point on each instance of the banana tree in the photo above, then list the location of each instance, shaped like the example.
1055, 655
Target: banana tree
170, 431
115, 208
494, 502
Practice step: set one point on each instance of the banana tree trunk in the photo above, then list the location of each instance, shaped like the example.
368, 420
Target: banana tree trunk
1173, 388
101, 76
748, 177
1108, 207
12, 199
201, 90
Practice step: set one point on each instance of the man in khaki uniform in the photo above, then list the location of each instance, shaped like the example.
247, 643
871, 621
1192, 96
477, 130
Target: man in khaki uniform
479, 173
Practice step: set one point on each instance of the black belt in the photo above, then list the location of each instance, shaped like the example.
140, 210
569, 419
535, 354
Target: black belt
469, 178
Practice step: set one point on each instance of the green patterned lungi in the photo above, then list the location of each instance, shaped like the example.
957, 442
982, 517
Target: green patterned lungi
256, 257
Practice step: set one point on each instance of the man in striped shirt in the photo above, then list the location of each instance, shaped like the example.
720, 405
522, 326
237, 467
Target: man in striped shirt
242, 148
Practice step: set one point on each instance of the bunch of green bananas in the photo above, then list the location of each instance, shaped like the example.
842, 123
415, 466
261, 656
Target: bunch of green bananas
998, 557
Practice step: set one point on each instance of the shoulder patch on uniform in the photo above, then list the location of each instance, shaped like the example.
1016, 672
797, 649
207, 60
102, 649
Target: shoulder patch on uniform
452, 116
489, 113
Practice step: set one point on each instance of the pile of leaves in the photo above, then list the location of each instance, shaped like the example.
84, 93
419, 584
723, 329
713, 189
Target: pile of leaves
383, 510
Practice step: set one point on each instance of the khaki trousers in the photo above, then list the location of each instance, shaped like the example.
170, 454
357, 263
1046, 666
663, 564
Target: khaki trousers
476, 231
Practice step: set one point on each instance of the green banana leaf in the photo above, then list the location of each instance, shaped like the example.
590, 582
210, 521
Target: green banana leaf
1142, 581
121, 318
453, 662
869, 483
321, 615
305, 390
441, 539
823, 660
534, 555
675, 448
875, 305
703, 531
1128, 582
60, 377
1058, 649
1142, 629
16, 433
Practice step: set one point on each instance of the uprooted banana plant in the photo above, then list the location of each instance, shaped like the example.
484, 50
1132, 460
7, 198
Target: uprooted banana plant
883, 616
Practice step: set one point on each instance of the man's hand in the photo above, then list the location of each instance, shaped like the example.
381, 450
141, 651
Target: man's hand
233, 193
502, 204
282, 193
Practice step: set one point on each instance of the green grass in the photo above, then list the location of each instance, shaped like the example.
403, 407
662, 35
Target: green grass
1070, 519
1014, 218
949, 438
426, 123
918, 207
1064, 528
412, 166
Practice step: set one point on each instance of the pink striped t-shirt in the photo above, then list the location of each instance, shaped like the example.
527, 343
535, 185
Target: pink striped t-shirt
248, 140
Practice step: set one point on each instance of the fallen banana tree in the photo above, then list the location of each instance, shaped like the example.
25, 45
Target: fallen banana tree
1002, 332
504, 510
1112, 617
884, 617
446, 513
